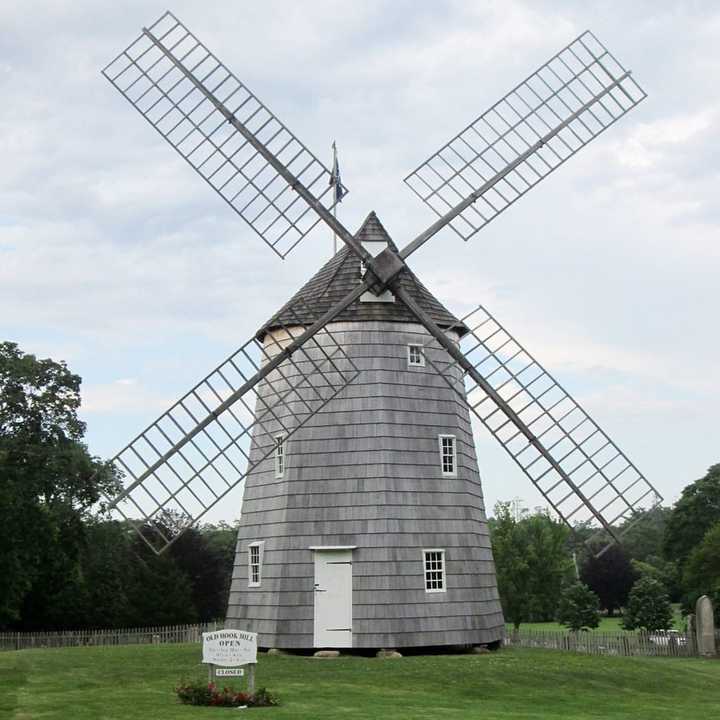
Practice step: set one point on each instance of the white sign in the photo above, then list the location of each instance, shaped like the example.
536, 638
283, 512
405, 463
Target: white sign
229, 672
229, 648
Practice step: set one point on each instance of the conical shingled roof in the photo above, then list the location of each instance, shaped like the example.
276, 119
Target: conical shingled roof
340, 275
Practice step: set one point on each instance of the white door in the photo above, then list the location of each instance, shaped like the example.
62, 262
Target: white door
333, 598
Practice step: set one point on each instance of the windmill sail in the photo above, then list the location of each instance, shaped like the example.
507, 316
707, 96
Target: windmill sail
523, 137
577, 468
188, 96
198, 450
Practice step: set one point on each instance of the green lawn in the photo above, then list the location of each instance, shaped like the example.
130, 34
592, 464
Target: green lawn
137, 683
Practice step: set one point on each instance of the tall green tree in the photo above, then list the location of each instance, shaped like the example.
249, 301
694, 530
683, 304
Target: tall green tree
644, 533
697, 510
702, 571
160, 591
109, 575
532, 562
221, 539
49, 484
206, 567
550, 562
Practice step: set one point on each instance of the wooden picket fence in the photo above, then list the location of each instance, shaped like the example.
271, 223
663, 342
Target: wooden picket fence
626, 644
590, 643
122, 636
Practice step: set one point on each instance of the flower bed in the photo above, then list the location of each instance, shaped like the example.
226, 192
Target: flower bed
196, 693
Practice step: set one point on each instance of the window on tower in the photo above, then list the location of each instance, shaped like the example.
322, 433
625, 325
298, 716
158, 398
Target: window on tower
279, 456
434, 570
448, 455
416, 357
254, 564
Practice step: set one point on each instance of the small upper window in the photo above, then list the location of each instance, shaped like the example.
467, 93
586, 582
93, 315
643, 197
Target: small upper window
434, 570
279, 456
254, 564
416, 357
448, 454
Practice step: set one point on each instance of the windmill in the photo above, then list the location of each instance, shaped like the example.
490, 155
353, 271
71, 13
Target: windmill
347, 415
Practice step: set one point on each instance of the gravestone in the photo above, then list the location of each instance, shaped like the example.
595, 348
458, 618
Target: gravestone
705, 627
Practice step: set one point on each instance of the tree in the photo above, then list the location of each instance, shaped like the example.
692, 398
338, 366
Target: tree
579, 607
511, 566
160, 591
221, 539
109, 574
610, 577
702, 571
50, 482
550, 563
648, 607
532, 563
643, 534
664, 571
697, 510
206, 568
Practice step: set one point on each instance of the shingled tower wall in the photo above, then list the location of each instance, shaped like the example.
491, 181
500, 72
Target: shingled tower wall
365, 473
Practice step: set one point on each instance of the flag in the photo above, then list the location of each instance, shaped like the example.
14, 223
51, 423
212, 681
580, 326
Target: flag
335, 181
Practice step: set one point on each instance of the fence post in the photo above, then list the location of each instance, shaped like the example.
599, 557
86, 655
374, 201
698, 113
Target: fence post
251, 678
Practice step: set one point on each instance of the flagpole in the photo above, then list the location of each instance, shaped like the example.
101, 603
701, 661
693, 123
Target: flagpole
335, 204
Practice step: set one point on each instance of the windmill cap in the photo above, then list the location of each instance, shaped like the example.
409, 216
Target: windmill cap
340, 275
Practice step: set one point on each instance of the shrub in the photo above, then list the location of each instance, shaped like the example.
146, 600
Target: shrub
200, 693
648, 607
579, 607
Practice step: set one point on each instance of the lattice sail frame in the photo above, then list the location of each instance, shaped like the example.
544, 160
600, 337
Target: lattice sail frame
532, 130
182, 90
200, 133
188, 480
609, 481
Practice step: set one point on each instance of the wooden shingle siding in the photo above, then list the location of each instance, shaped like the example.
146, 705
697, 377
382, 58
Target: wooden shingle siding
365, 472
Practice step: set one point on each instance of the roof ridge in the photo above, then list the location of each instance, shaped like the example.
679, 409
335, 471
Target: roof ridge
370, 224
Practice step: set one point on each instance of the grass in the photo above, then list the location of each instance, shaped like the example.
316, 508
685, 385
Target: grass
137, 682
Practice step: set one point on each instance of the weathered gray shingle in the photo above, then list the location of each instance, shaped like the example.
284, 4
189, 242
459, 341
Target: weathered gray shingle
365, 472
340, 275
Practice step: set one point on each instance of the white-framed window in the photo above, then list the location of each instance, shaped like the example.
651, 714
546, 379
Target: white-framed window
434, 565
448, 455
279, 456
416, 356
255, 558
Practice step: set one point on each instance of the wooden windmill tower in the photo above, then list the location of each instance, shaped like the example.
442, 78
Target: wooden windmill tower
348, 414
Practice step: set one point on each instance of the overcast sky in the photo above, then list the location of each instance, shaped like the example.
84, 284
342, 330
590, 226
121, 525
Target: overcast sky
117, 258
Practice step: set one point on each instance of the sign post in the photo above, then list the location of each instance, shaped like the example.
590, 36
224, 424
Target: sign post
226, 652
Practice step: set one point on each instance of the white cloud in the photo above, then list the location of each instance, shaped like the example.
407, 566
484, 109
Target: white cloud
115, 255
124, 396
647, 146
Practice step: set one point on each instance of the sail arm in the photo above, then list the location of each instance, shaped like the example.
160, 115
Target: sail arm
572, 462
